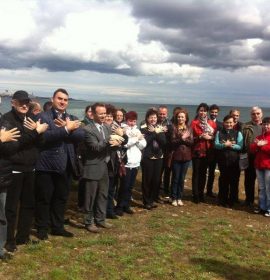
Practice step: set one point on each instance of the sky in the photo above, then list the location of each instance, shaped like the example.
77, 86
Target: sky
174, 52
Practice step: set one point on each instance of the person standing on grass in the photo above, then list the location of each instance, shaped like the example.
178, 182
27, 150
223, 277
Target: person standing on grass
7, 147
20, 201
228, 144
152, 160
251, 130
261, 149
55, 166
235, 113
131, 157
181, 142
204, 131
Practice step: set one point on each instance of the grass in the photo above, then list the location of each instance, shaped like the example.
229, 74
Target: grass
192, 242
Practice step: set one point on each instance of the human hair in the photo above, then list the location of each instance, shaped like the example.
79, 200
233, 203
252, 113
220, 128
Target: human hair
97, 104
110, 110
204, 106
162, 107
227, 117
47, 106
255, 108
131, 115
177, 112
60, 90
234, 110
214, 107
266, 120
34, 105
151, 111
87, 108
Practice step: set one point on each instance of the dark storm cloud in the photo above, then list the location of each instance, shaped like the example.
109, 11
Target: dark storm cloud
200, 32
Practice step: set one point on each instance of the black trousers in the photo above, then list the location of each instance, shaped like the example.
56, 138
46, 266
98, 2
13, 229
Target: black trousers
211, 175
249, 182
166, 173
199, 168
151, 171
52, 190
20, 194
228, 184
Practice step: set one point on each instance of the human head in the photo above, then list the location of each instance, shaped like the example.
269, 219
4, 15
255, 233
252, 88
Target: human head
266, 124
88, 112
60, 100
235, 113
202, 110
256, 115
110, 114
99, 112
213, 111
21, 102
183, 113
131, 118
47, 106
151, 116
120, 115
162, 113
35, 107
228, 122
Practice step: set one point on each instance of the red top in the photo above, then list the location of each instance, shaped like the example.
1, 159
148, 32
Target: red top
262, 153
201, 146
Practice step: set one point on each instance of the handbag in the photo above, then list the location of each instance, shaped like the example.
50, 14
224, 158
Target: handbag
243, 161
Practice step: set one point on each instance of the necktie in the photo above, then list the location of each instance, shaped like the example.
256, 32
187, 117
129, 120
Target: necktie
101, 131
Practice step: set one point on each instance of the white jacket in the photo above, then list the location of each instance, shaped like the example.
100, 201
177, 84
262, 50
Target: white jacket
134, 146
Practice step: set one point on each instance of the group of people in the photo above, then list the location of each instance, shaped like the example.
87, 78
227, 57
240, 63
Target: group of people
42, 151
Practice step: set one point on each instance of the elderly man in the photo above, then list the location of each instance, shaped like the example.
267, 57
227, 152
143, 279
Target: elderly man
55, 166
251, 130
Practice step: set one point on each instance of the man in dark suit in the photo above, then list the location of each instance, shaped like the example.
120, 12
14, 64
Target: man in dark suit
55, 166
97, 135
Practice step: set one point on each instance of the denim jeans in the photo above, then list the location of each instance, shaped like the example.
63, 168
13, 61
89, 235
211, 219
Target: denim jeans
3, 222
179, 169
264, 188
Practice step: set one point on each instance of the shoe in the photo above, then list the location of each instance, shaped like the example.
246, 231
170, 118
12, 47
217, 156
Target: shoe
92, 228
174, 203
119, 212
5, 257
180, 203
147, 206
62, 232
211, 194
267, 213
153, 206
258, 211
195, 199
104, 225
11, 247
129, 211
160, 201
27, 242
42, 235
111, 216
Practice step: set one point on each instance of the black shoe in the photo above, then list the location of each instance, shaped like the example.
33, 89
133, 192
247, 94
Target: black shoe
62, 232
201, 199
111, 216
153, 206
11, 247
118, 212
129, 211
160, 201
210, 194
27, 242
195, 199
42, 235
6, 257
147, 206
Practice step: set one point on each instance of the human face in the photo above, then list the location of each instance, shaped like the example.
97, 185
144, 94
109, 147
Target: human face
228, 124
256, 116
21, 106
89, 114
131, 123
213, 114
152, 119
100, 114
119, 116
202, 113
60, 102
266, 127
236, 116
109, 119
162, 113
181, 118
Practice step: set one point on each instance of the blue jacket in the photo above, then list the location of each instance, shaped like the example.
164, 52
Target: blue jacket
58, 146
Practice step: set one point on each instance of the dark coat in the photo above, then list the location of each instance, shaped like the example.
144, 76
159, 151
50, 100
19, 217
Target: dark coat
58, 145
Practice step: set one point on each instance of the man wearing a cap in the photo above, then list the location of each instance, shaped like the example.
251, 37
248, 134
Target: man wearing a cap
21, 192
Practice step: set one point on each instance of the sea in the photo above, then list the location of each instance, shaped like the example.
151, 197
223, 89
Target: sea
77, 107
